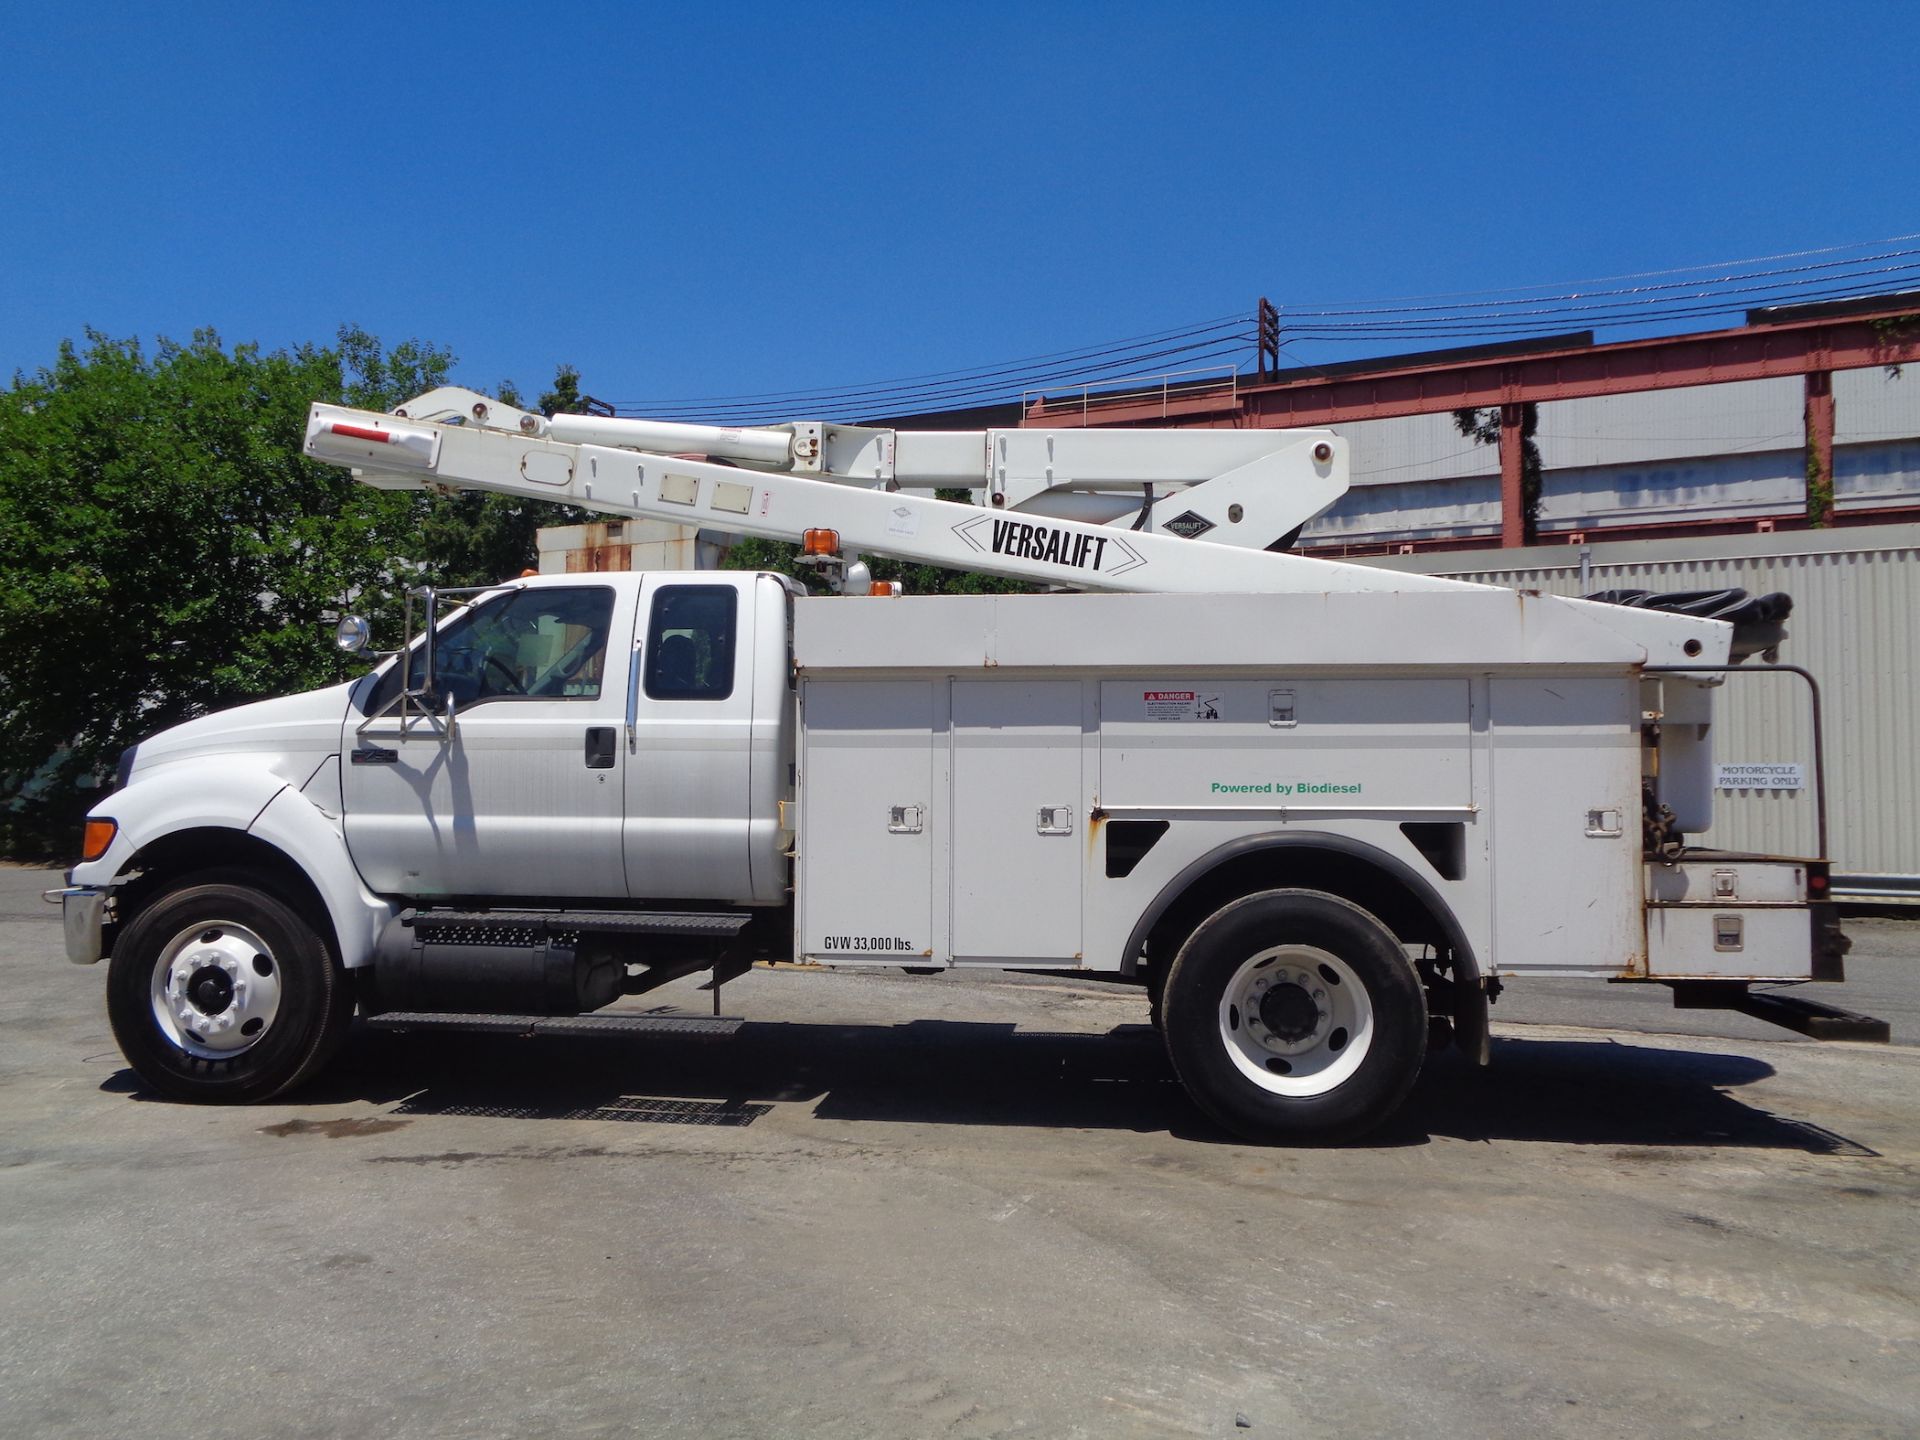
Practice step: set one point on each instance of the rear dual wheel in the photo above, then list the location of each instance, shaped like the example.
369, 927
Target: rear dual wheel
1293, 1015
220, 991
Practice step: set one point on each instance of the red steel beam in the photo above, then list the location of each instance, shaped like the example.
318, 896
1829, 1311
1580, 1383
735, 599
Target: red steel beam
1513, 520
1757, 352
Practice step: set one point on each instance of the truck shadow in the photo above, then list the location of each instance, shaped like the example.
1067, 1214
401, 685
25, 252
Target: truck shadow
1611, 1092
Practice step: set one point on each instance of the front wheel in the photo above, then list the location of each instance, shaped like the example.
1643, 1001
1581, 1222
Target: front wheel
220, 991
1294, 1015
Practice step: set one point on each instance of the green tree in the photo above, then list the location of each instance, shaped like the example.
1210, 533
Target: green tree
565, 397
166, 549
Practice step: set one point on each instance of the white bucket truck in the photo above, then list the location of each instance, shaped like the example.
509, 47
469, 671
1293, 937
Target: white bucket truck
1321, 812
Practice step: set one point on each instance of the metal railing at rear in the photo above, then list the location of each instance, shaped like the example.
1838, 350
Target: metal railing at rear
1167, 387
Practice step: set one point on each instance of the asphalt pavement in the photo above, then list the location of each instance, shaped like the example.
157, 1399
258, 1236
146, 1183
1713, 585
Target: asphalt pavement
957, 1206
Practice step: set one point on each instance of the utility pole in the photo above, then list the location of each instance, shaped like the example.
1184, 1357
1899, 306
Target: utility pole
1269, 340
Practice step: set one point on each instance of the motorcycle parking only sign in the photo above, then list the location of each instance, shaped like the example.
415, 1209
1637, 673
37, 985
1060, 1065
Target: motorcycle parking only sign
1758, 777
1181, 705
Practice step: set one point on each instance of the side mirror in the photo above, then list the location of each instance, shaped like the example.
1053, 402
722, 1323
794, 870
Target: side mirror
352, 634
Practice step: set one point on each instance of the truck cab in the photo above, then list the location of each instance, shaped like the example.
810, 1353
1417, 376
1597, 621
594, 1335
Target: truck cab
614, 736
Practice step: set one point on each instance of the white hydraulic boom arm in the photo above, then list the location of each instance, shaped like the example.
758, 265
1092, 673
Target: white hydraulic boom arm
781, 482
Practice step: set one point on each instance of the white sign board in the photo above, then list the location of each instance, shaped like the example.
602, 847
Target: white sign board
1759, 777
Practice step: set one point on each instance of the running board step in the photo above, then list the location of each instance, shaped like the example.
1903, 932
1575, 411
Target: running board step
709, 1026
1809, 1017
718, 926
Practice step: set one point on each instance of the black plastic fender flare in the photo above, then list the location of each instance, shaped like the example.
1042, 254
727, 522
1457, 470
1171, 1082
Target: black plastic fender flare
1470, 1011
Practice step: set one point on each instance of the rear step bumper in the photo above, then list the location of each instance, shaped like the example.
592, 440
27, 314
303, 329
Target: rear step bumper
1808, 1017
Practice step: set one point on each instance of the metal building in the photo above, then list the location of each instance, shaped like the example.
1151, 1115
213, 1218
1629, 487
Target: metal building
1704, 456
1855, 625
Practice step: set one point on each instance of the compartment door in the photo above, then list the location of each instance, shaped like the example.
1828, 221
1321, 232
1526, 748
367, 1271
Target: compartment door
1566, 825
1019, 821
867, 821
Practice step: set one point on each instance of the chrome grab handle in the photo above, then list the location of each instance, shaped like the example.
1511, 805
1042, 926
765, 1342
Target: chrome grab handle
633, 699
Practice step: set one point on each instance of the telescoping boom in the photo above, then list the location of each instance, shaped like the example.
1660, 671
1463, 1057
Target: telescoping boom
1082, 509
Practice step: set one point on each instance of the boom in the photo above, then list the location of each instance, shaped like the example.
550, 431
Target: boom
1047, 492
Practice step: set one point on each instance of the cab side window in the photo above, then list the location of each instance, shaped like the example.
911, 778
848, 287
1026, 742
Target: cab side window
690, 642
545, 644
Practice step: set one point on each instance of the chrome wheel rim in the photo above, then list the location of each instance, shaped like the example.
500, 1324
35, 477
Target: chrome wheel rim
215, 990
1296, 1021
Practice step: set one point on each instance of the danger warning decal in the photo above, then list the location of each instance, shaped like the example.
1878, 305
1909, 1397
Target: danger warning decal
1180, 705
1033, 540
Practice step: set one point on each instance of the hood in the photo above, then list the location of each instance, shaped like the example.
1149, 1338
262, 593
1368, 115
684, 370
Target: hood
289, 735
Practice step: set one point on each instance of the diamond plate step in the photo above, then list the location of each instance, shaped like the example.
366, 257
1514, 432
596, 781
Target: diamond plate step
599, 922
710, 1026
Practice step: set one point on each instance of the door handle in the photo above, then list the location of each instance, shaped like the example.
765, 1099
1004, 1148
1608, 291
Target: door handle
600, 747
374, 755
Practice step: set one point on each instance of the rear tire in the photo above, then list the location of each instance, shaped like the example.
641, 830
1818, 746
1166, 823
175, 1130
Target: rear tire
219, 991
1293, 1015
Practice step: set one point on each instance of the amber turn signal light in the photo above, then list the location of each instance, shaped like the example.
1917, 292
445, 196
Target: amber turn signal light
98, 836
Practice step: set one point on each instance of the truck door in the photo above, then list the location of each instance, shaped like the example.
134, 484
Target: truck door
688, 824
1566, 824
1019, 822
523, 796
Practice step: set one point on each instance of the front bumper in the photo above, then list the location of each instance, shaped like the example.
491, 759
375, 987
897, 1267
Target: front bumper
83, 912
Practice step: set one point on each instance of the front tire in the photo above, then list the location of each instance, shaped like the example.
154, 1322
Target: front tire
1293, 1015
219, 991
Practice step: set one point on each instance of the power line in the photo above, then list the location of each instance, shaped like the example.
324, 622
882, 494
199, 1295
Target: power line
1850, 264
986, 389
1638, 275
1466, 327
1231, 338
975, 398
1616, 307
1103, 348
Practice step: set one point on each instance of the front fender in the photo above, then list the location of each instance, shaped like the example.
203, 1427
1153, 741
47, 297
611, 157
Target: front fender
216, 793
222, 795
313, 840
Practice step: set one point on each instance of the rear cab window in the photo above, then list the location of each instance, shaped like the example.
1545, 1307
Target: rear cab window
690, 642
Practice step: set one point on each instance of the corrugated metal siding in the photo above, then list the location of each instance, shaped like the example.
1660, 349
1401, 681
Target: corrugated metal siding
1856, 626
1872, 405
1413, 448
1704, 452
1461, 507
1657, 425
1714, 487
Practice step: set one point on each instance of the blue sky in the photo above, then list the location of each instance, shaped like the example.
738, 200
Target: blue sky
689, 200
